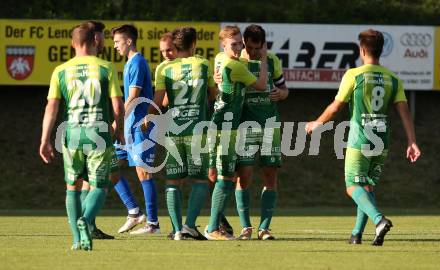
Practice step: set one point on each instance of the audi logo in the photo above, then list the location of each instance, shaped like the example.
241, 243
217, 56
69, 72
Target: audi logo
416, 39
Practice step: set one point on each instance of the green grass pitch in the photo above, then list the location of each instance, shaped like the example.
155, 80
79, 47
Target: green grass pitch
304, 242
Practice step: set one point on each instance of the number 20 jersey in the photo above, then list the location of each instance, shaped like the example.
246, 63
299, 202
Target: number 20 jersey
86, 84
186, 81
369, 90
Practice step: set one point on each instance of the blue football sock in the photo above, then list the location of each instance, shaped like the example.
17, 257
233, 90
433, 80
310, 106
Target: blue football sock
150, 196
124, 192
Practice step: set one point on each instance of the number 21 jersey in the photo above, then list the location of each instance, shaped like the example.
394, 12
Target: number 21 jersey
186, 81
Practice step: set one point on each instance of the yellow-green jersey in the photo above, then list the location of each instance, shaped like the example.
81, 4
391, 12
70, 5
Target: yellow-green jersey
235, 78
186, 81
158, 70
369, 90
257, 104
86, 84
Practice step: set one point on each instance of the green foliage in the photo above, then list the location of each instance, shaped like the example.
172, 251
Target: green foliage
402, 12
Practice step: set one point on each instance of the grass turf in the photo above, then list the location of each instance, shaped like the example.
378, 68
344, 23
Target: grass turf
304, 242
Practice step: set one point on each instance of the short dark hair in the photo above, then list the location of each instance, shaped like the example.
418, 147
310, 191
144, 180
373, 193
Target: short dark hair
255, 33
128, 29
184, 37
372, 41
97, 26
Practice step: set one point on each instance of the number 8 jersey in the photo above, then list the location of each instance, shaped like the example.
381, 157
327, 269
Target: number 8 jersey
186, 81
369, 90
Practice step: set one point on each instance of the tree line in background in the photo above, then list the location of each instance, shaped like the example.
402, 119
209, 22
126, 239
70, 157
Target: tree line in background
400, 12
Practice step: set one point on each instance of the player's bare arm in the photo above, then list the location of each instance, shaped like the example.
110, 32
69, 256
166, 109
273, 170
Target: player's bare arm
261, 83
279, 93
329, 113
158, 98
165, 101
50, 116
133, 94
118, 113
217, 76
412, 152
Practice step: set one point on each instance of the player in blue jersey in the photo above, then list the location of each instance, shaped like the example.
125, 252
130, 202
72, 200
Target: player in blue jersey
139, 148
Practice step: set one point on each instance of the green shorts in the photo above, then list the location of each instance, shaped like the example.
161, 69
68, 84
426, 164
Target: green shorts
267, 145
362, 170
194, 165
93, 166
222, 155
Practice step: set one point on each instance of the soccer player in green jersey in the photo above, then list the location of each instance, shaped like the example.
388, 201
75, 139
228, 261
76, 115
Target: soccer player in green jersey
94, 231
169, 53
167, 48
88, 85
188, 83
258, 107
370, 91
226, 119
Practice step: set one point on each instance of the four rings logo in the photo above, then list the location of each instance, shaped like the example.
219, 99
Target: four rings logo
416, 40
20, 61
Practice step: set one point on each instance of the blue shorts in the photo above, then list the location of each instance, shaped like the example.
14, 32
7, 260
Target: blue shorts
139, 151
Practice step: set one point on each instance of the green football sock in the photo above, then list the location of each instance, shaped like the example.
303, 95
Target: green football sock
84, 193
92, 226
362, 218
373, 198
243, 201
361, 221
366, 203
196, 200
220, 196
174, 205
268, 201
93, 203
73, 208
83, 196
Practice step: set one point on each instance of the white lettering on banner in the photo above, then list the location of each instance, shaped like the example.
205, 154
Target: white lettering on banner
316, 56
316, 75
